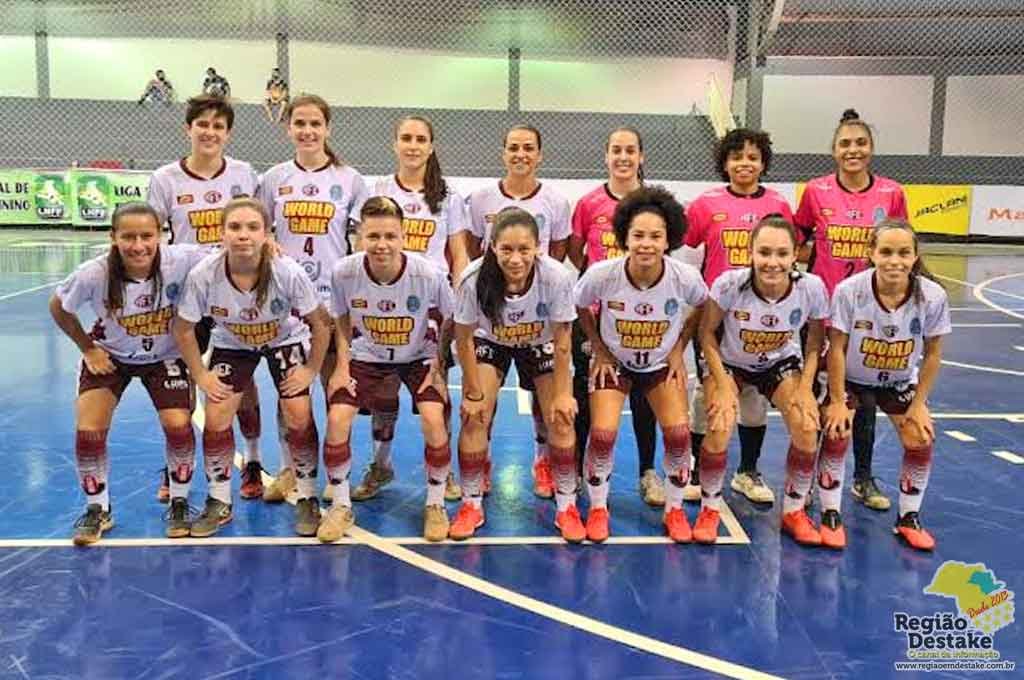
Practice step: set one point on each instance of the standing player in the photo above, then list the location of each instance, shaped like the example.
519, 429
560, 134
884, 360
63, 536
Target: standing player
593, 240
838, 212
133, 290
885, 349
189, 196
721, 220
251, 296
750, 335
521, 155
515, 304
313, 200
389, 298
638, 341
434, 214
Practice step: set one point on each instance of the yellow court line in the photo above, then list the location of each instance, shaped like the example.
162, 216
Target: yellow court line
557, 614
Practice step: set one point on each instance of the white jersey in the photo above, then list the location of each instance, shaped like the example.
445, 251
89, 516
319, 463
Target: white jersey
640, 327
192, 205
238, 322
758, 333
548, 207
425, 232
311, 210
390, 322
526, 318
140, 332
885, 347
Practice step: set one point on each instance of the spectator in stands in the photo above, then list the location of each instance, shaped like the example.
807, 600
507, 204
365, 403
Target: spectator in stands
276, 96
158, 89
216, 84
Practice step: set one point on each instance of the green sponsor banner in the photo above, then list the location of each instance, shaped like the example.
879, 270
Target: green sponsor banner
96, 194
34, 197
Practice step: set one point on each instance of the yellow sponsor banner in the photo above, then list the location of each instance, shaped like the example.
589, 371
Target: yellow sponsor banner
939, 208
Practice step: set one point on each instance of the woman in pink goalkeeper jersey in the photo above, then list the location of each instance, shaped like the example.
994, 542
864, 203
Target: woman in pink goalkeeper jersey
885, 349
750, 332
838, 212
593, 240
721, 221
638, 338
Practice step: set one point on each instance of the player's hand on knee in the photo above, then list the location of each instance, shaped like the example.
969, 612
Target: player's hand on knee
98, 361
838, 420
473, 410
564, 407
918, 422
341, 379
603, 369
805, 407
215, 389
297, 380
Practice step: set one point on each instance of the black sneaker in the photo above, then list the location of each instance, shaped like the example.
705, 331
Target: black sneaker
179, 520
909, 528
307, 516
216, 514
866, 491
90, 526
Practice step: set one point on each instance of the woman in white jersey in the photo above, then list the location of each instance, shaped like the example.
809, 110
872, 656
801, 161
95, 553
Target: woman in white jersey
434, 214
750, 335
314, 201
515, 305
263, 307
133, 290
885, 349
638, 340
388, 306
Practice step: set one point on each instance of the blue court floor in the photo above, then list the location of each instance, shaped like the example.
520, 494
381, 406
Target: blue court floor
257, 602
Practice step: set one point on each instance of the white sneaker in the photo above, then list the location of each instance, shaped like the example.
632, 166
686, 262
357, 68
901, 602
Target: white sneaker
753, 487
452, 490
652, 489
333, 526
691, 492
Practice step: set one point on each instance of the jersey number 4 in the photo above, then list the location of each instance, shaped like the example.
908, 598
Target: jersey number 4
307, 247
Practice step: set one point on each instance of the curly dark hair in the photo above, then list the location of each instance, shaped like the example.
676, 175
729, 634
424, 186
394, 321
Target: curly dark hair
650, 199
735, 140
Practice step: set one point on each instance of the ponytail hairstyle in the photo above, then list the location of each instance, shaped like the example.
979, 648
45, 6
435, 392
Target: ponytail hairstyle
919, 269
434, 188
852, 118
265, 272
490, 281
325, 109
116, 276
772, 221
639, 145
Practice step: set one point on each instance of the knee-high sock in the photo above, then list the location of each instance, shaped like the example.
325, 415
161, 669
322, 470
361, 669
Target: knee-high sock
180, 454
712, 477
382, 424
863, 441
831, 468
249, 424
540, 432
676, 462
218, 455
304, 445
438, 460
93, 465
644, 429
751, 440
338, 461
598, 466
799, 473
914, 474
471, 465
563, 465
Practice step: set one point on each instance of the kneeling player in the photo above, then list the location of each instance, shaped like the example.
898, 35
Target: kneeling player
885, 348
388, 297
750, 335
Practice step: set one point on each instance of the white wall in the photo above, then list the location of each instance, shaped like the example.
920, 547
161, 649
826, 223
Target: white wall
652, 86
356, 76
739, 101
85, 68
983, 116
801, 112
18, 73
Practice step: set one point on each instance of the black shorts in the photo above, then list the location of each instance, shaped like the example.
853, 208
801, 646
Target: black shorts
236, 366
203, 331
168, 382
768, 380
892, 399
531, 361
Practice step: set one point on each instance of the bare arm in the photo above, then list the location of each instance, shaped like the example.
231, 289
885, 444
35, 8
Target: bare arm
460, 259
929, 369
812, 352
467, 360
710, 319
71, 326
576, 254
556, 249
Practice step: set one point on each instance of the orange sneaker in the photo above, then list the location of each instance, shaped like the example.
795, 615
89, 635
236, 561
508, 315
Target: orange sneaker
833, 533
570, 524
706, 529
252, 481
467, 520
163, 492
910, 530
597, 525
543, 481
486, 489
677, 526
798, 525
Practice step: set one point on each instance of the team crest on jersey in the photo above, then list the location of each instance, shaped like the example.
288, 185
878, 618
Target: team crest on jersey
147, 344
218, 311
740, 315
312, 269
236, 191
616, 305
144, 300
222, 370
769, 321
310, 190
542, 310
795, 316
412, 304
212, 196
853, 214
172, 292
249, 314
643, 309
879, 214
826, 212
863, 325
284, 191
386, 305
276, 306
411, 208
514, 317
671, 307
336, 192
890, 331
358, 303
602, 219
184, 199
749, 218
915, 326
719, 217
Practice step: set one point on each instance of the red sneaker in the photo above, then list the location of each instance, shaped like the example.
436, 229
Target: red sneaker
597, 525
252, 481
706, 529
467, 520
798, 525
677, 526
910, 530
833, 533
570, 524
543, 480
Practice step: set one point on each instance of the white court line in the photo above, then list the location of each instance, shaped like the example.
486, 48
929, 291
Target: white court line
1011, 417
986, 369
986, 325
985, 310
559, 615
523, 402
986, 283
1009, 457
979, 293
960, 436
29, 290
1019, 348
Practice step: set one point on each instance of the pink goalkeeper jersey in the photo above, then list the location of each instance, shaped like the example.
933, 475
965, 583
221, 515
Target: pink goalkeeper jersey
842, 221
592, 224
721, 221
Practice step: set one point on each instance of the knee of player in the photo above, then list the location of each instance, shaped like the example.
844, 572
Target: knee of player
297, 412
339, 419
219, 415
433, 422
561, 433
174, 418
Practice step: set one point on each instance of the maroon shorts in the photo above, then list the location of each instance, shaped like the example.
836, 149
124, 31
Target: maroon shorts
768, 380
894, 400
168, 382
377, 385
236, 366
530, 361
629, 380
